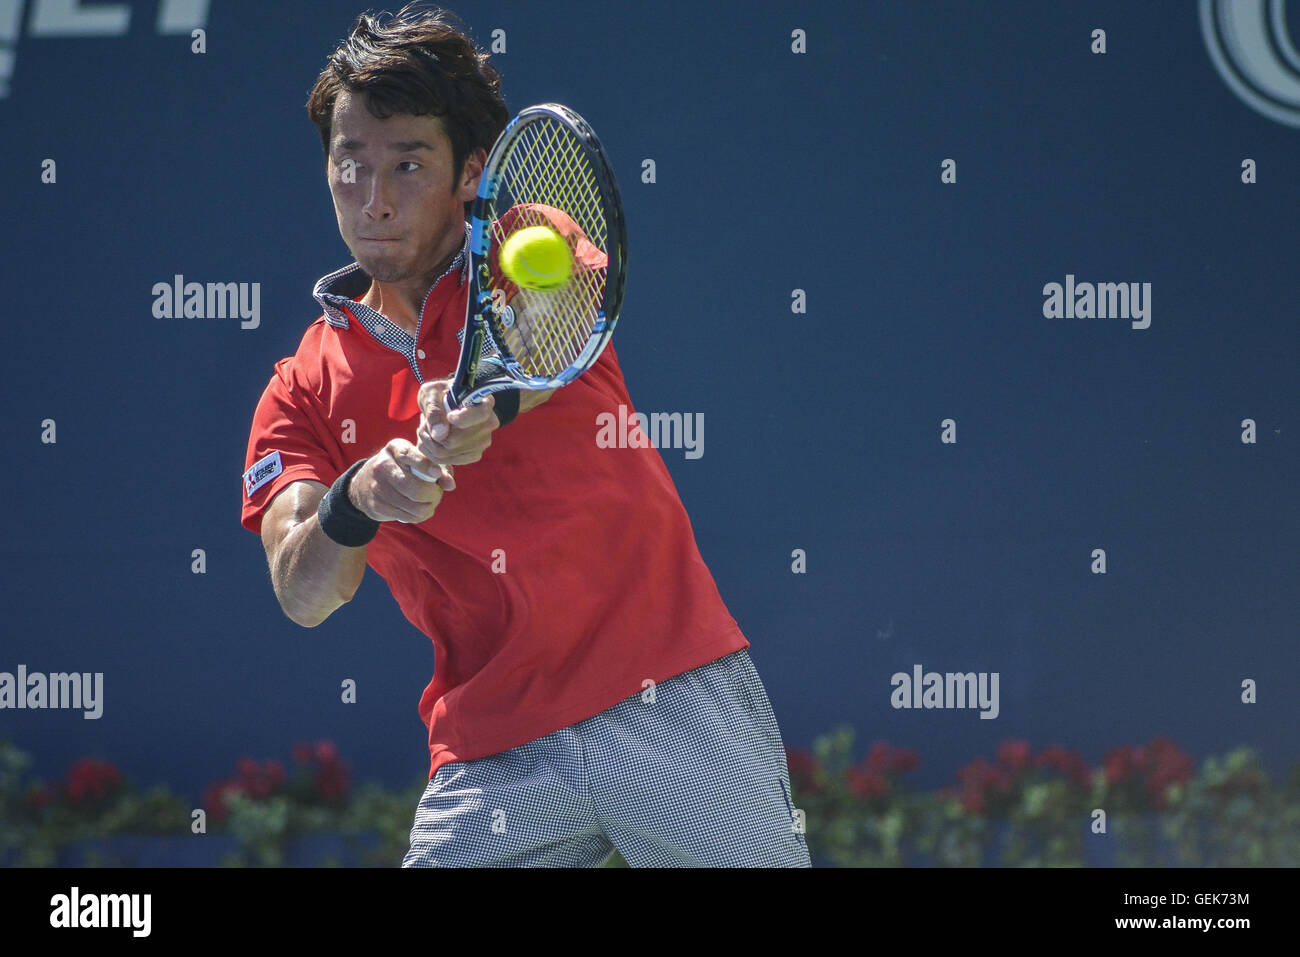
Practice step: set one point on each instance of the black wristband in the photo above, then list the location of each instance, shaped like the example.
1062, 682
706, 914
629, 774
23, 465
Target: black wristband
340, 520
506, 405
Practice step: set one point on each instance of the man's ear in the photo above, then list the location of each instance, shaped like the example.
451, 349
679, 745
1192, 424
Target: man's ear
470, 176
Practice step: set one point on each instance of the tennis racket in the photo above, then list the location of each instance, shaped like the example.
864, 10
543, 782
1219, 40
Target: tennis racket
546, 169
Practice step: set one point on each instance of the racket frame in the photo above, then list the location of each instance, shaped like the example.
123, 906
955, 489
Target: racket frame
481, 316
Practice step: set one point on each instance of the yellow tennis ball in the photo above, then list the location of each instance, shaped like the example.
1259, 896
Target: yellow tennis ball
537, 257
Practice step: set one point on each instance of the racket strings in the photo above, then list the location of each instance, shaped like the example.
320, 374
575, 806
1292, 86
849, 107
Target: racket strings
550, 166
551, 327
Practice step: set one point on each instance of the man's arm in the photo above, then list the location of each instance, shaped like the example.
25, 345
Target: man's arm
312, 574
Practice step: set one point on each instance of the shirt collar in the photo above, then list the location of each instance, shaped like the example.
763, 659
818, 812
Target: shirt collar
339, 290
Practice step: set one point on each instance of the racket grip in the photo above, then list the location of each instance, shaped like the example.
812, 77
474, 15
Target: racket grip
432, 479
451, 405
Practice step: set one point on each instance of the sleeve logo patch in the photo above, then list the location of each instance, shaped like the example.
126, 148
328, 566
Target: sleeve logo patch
262, 472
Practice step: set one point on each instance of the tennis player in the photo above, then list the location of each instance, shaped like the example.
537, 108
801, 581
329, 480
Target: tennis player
591, 692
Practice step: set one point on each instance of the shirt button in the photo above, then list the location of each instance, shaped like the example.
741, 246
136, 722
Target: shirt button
420, 353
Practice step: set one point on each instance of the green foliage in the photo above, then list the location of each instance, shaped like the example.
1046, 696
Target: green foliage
1017, 810
14, 836
387, 817
863, 819
1230, 815
1026, 811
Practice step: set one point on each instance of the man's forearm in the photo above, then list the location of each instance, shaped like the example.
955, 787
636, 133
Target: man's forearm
312, 575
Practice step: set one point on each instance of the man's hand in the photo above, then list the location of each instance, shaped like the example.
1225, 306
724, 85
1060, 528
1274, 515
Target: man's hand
387, 490
458, 438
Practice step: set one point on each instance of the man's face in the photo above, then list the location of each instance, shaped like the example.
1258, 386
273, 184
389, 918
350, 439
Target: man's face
404, 214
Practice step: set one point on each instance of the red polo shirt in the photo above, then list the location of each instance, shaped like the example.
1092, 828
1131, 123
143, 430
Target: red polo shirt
553, 581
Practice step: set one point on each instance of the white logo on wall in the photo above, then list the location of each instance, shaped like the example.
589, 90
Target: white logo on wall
1251, 48
71, 18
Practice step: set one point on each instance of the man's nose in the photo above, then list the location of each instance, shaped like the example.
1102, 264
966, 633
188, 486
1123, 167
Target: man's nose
379, 203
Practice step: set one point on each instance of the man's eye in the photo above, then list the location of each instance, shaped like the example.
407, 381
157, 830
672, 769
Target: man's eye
411, 163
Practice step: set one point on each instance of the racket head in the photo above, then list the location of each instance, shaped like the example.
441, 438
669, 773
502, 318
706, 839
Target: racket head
547, 168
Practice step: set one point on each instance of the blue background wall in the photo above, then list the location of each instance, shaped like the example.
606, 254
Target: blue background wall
775, 171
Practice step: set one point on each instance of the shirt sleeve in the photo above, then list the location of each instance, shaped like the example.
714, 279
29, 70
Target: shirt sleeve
285, 445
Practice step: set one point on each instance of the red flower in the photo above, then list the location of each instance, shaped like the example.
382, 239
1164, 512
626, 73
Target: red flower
1014, 755
876, 775
884, 759
1171, 759
255, 780
325, 752
1156, 767
1120, 764
1167, 765
803, 767
866, 783
980, 779
260, 780
90, 779
1065, 762
977, 773
332, 781
214, 799
905, 759
879, 758
274, 772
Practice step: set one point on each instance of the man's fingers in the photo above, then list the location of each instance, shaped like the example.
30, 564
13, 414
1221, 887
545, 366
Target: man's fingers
432, 395
431, 450
410, 460
464, 451
396, 508
461, 447
441, 475
468, 416
387, 490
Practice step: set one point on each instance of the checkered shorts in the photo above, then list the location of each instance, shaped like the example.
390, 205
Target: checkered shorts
695, 778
